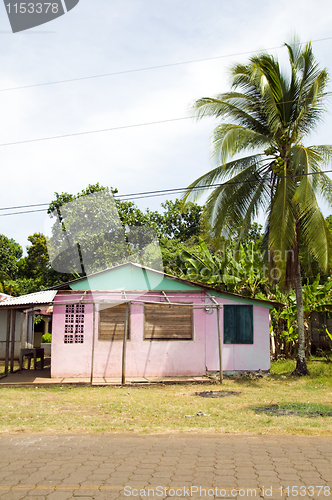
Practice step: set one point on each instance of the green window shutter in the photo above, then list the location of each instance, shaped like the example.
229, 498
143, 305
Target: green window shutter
230, 324
238, 325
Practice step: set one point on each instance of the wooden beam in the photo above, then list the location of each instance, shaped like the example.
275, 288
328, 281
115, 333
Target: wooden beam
164, 294
124, 345
12, 353
221, 376
9, 316
93, 340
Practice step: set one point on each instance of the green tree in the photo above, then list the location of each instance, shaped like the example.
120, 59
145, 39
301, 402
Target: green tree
179, 220
36, 263
177, 227
10, 253
35, 271
271, 112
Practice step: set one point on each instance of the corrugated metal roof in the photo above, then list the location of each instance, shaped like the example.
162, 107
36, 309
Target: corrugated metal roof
43, 297
4, 297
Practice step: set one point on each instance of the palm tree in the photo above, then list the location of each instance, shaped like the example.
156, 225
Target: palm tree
270, 113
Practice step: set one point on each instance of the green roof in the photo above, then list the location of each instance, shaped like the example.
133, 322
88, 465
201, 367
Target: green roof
134, 277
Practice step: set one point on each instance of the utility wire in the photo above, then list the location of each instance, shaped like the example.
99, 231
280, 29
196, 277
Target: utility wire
26, 212
25, 206
94, 131
135, 125
149, 68
162, 192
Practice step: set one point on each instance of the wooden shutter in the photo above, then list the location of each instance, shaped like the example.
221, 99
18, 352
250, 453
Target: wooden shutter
162, 322
112, 322
238, 325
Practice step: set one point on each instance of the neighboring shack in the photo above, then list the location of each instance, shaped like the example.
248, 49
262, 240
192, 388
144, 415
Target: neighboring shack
10, 325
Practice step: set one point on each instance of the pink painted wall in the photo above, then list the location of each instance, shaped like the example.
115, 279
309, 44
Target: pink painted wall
156, 358
239, 357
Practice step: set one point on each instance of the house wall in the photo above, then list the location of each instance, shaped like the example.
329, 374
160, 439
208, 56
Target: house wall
239, 357
156, 358
71, 360
3, 333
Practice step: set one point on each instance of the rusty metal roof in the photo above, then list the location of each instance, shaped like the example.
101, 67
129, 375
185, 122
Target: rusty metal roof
43, 297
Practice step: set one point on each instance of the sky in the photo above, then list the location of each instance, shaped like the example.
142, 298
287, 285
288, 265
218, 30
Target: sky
128, 36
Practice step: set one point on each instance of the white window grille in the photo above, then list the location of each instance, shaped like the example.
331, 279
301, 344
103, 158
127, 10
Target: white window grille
74, 322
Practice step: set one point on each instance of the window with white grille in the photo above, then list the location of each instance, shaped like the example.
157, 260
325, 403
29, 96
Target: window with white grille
69, 328
74, 323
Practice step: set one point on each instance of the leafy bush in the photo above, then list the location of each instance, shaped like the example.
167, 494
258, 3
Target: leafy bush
46, 338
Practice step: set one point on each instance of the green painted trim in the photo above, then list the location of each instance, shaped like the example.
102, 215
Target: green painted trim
242, 300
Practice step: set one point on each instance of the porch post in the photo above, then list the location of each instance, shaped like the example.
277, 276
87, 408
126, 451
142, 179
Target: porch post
9, 317
123, 380
12, 353
220, 345
93, 339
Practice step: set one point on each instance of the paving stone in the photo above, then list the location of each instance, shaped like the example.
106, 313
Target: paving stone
60, 495
13, 495
116, 461
37, 492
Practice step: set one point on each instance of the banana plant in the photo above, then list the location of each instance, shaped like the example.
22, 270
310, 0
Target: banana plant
238, 271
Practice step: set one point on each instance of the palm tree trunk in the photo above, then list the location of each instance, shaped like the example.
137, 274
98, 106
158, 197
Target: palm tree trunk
301, 365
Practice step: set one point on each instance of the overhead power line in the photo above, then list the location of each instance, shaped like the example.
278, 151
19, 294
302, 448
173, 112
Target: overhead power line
94, 131
98, 131
150, 68
161, 192
25, 206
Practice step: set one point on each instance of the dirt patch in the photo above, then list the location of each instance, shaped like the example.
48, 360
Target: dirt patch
216, 394
296, 409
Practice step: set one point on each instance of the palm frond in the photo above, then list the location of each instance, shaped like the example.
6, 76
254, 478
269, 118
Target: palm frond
312, 223
229, 139
236, 200
219, 174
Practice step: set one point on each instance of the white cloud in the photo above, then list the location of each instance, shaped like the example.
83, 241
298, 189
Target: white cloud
103, 37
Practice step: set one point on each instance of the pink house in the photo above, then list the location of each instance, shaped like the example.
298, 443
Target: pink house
171, 327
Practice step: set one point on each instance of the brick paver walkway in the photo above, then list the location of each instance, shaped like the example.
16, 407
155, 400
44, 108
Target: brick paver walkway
107, 467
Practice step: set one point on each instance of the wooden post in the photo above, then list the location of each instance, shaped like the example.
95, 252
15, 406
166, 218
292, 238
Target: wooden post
9, 317
93, 340
123, 381
12, 351
220, 345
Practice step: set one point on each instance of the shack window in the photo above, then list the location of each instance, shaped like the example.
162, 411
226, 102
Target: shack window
162, 322
112, 323
238, 325
74, 320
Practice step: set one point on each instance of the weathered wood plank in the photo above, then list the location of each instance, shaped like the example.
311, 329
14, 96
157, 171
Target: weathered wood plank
112, 323
168, 323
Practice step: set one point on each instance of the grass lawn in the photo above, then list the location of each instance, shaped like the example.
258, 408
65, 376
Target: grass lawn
275, 404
